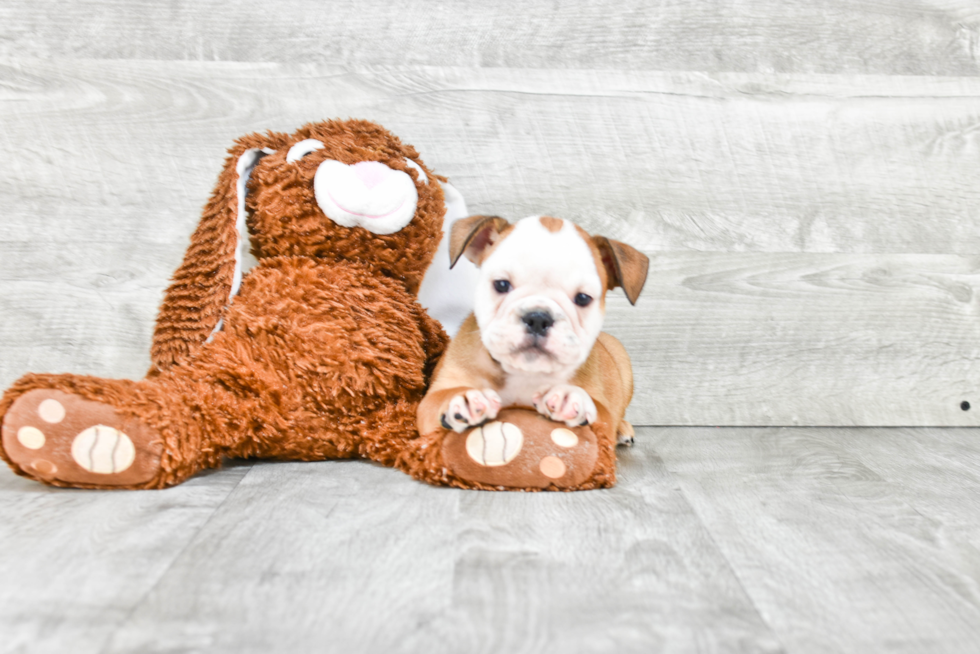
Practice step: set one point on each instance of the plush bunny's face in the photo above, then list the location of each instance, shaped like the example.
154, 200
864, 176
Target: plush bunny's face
346, 190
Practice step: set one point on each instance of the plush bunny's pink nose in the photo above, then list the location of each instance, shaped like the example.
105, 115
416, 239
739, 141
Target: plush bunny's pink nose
371, 173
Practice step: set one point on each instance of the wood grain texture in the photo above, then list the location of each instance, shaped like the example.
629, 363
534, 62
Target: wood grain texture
308, 557
847, 540
916, 37
766, 339
347, 556
715, 540
128, 151
74, 564
82, 307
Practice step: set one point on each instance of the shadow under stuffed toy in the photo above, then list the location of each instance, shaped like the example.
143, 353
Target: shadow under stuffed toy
321, 351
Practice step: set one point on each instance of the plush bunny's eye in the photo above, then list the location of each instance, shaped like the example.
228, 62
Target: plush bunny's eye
302, 149
417, 168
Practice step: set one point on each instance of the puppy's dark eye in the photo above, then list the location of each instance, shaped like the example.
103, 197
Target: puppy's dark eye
502, 286
583, 300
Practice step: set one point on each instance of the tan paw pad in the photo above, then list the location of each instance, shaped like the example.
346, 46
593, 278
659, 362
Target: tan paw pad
103, 450
564, 438
31, 437
51, 411
494, 444
552, 467
44, 468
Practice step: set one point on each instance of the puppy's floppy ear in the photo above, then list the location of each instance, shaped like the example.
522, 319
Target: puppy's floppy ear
212, 268
625, 266
472, 236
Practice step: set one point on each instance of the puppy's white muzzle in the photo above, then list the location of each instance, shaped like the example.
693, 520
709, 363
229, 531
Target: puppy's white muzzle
534, 335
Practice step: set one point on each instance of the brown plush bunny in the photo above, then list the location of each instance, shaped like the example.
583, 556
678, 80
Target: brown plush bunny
320, 352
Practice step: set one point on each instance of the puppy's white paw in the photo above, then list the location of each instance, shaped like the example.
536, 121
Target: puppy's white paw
568, 404
470, 409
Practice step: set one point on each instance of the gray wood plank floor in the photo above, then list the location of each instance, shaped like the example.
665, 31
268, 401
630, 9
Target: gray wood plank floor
715, 540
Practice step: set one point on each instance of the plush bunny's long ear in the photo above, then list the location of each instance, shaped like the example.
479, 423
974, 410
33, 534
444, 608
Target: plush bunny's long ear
211, 272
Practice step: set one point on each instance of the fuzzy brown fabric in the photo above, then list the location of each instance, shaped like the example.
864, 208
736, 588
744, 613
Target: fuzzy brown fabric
324, 353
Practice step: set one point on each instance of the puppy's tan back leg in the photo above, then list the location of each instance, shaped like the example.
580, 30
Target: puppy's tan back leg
624, 434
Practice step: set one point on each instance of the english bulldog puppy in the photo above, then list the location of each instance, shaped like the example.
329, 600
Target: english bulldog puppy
535, 336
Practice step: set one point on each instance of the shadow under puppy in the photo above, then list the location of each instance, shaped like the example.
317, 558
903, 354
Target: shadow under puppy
535, 338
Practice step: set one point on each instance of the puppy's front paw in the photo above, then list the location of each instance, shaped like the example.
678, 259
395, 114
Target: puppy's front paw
568, 404
470, 409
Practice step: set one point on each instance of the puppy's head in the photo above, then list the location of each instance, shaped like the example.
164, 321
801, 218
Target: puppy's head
541, 296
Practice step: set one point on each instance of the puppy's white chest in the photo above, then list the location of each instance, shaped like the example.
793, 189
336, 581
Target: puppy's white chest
520, 389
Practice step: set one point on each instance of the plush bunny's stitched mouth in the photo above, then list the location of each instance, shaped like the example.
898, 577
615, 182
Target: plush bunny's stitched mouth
368, 194
367, 215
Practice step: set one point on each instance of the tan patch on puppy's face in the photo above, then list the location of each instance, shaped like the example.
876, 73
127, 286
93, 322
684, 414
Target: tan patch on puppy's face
553, 225
498, 239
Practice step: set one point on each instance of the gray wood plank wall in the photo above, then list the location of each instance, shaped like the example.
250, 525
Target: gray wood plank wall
805, 177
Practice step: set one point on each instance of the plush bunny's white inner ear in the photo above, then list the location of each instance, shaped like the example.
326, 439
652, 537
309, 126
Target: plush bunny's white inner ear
448, 294
301, 149
243, 255
417, 168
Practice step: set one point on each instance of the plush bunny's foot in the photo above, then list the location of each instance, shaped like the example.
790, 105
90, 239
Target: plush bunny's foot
522, 450
65, 440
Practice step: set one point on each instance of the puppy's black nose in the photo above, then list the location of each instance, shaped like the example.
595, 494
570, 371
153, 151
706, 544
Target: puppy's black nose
538, 322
